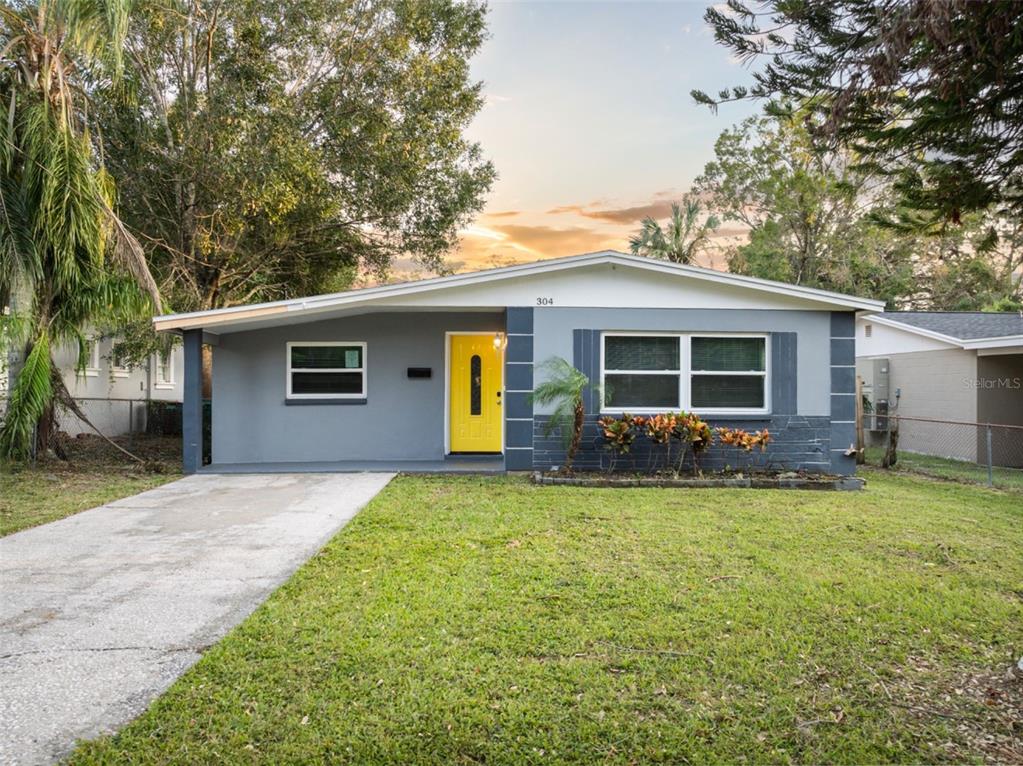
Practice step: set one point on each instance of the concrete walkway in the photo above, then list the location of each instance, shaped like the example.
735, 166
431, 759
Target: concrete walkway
102, 611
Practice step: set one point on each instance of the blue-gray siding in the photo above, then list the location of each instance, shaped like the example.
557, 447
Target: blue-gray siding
191, 408
797, 442
843, 391
518, 384
812, 382
553, 332
803, 381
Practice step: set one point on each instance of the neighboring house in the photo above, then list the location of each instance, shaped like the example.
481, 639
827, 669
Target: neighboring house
946, 366
434, 369
110, 393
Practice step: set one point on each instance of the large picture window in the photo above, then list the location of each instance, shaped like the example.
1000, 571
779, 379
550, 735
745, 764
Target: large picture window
707, 373
326, 370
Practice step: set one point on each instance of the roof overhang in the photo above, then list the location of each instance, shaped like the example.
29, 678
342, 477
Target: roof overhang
1005, 341
384, 297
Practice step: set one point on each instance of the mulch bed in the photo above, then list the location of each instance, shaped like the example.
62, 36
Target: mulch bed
788, 480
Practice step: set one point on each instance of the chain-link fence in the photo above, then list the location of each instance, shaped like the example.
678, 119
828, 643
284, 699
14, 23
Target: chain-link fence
983, 453
118, 417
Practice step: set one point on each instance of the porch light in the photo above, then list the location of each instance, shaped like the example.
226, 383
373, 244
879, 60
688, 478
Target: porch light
500, 340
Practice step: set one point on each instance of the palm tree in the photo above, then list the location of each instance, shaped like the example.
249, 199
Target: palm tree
564, 386
66, 261
683, 239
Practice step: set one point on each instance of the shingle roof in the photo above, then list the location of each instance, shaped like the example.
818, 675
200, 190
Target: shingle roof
964, 325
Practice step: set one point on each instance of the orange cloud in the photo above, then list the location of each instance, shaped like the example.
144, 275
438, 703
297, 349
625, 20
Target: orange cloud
658, 208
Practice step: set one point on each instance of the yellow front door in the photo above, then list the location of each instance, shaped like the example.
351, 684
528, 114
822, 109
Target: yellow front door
476, 382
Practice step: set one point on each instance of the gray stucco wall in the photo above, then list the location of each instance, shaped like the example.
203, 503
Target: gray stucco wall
114, 400
812, 377
402, 419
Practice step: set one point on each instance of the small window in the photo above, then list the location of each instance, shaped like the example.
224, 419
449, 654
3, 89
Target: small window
327, 370
91, 358
119, 366
165, 370
475, 385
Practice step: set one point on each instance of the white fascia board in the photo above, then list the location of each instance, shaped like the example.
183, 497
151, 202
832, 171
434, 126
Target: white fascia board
915, 330
1001, 342
337, 300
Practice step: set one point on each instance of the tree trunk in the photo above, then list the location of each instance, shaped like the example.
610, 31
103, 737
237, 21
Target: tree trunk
577, 435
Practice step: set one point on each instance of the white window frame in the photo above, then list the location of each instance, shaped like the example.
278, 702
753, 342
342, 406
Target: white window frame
168, 382
686, 373
117, 370
289, 369
92, 367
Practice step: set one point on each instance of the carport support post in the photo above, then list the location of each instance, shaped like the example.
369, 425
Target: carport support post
191, 410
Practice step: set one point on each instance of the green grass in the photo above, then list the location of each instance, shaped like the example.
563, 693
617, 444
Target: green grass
470, 620
948, 468
34, 494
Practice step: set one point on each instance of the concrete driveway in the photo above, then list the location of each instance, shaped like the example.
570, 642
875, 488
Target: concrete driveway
102, 611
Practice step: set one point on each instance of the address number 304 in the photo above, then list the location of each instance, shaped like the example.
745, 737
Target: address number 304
544, 301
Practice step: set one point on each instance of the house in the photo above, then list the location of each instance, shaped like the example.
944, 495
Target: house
428, 373
955, 367
113, 395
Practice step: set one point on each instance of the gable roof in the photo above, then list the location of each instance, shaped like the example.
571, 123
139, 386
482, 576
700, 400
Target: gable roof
962, 325
966, 329
267, 312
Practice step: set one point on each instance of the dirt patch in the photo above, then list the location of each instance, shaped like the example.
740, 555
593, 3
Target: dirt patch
160, 454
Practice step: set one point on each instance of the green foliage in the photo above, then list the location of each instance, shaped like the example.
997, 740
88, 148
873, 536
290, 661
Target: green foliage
27, 402
685, 236
928, 93
565, 387
806, 207
66, 261
268, 150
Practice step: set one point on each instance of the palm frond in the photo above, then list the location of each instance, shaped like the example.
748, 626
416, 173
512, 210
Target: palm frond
31, 394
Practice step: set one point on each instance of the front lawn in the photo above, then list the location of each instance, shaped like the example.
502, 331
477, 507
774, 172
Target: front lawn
37, 493
472, 620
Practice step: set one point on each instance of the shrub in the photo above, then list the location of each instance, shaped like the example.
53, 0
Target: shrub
619, 435
694, 435
744, 440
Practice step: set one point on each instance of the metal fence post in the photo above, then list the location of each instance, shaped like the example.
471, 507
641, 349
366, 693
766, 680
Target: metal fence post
990, 470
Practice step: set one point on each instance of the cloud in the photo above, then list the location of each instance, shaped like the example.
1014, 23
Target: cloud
658, 208
619, 215
499, 244
504, 214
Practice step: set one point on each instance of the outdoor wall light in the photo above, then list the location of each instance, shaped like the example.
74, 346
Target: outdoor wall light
500, 340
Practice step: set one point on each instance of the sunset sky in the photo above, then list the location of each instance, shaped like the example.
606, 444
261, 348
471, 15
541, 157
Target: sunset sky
590, 124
